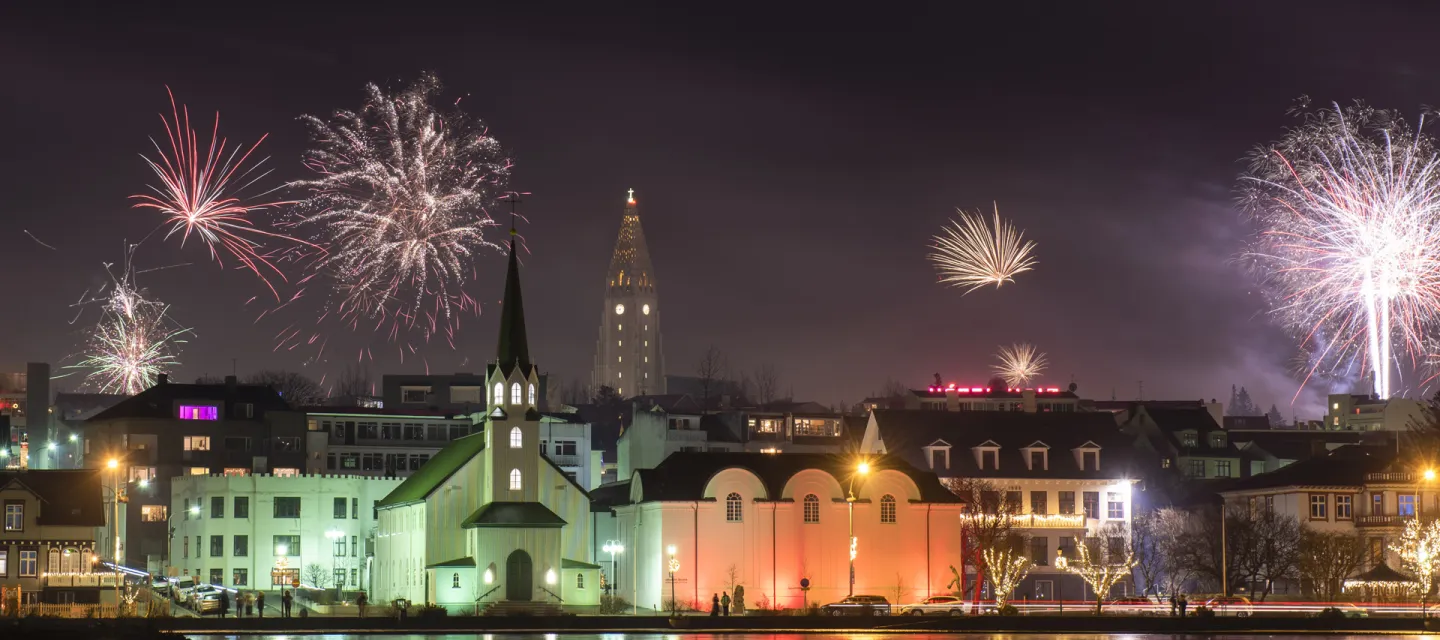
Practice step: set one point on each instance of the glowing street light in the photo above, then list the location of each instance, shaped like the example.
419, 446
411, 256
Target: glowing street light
674, 567
860, 470
613, 547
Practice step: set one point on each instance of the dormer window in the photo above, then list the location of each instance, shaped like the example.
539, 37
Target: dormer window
1088, 456
1188, 439
987, 455
1037, 456
199, 412
1217, 440
938, 454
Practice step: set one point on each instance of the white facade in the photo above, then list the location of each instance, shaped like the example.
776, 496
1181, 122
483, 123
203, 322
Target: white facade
243, 522
377, 443
567, 444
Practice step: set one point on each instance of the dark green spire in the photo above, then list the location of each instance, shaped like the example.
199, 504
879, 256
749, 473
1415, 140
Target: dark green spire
514, 348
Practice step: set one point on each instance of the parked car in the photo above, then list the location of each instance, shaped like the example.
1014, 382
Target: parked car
181, 587
160, 585
1238, 606
1133, 606
935, 605
204, 599
859, 606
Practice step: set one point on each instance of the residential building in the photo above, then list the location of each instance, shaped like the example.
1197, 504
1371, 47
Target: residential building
628, 354
172, 430
1270, 449
1349, 412
453, 394
263, 532
655, 429
768, 521
489, 519
50, 544
1060, 476
392, 443
1188, 441
953, 397
565, 440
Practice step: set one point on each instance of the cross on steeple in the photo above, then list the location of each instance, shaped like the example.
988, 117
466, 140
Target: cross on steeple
513, 199
632, 197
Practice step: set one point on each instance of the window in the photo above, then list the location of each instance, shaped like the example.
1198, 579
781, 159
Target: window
1038, 501
499, 394
515, 393
241, 578
812, 509
354, 576
1377, 504
285, 472
29, 559
354, 508
1114, 506
1089, 460
1344, 507
217, 576
565, 448
236, 472
4, 563
1188, 439
340, 547
989, 460
516, 439
1067, 503
242, 507
217, 507
1318, 504
1037, 460
816, 427
287, 444
1092, 503
197, 443
1377, 550
242, 546
141, 474
887, 509
465, 395
287, 546
244, 410
1196, 469
287, 508
186, 542
1013, 503
1222, 468
340, 510
1040, 551
734, 508
514, 479
579, 581
455, 581
154, 513
199, 412
354, 546
14, 516
199, 471
1406, 504
217, 546
414, 395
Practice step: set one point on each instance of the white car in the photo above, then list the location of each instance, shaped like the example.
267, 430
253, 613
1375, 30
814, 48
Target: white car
1135, 606
935, 606
180, 588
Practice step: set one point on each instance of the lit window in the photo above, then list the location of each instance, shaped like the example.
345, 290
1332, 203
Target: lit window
887, 509
236, 471
812, 509
499, 394
515, 393
619, 327
619, 358
514, 479
154, 513
142, 474
579, 581
15, 517
516, 440
734, 508
199, 471
200, 412
647, 359
647, 343
532, 395
1318, 504
197, 443
286, 472
1115, 508
619, 375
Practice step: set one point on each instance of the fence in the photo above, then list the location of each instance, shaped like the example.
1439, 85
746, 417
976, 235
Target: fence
81, 610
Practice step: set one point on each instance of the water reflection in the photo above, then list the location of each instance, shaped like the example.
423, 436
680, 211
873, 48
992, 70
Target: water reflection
779, 636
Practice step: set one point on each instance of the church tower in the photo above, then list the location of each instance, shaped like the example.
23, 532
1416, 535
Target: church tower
514, 418
628, 357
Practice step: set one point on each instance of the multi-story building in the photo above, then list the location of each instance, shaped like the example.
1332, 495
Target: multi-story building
50, 544
1348, 412
628, 357
392, 442
566, 440
1186, 441
263, 532
652, 433
459, 393
1060, 476
173, 430
953, 397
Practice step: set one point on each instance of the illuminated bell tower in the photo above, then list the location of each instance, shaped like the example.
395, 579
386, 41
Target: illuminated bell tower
512, 455
628, 356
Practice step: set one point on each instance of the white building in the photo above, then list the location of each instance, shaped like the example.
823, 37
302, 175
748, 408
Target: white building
263, 532
378, 442
1063, 475
565, 440
1349, 412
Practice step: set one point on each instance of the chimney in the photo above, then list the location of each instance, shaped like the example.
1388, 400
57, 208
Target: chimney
37, 399
163, 379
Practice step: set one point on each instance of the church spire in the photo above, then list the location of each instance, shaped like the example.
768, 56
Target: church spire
514, 348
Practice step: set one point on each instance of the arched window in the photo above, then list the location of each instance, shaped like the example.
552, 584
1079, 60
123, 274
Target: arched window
499, 393
515, 393
516, 440
514, 479
532, 395
887, 509
71, 561
734, 508
812, 509
455, 581
579, 581
54, 560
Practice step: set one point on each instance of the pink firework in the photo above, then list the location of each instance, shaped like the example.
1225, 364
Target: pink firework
199, 194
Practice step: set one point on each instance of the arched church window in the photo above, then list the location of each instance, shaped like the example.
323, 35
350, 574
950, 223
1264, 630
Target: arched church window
54, 560
514, 479
734, 508
515, 393
516, 440
812, 509
499, 394
455, 581
887, 509
532, 395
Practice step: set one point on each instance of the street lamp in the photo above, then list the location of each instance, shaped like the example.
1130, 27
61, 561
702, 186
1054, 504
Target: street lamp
114, 466
674, 566
860, 470
333, 535
613, 547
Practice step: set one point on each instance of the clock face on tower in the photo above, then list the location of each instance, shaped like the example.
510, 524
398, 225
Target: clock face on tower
645, 309
619, 309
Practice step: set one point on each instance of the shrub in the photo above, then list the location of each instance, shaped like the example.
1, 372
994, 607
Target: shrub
1331, 613
432, 611
1008, 610
1204, 612
614, 604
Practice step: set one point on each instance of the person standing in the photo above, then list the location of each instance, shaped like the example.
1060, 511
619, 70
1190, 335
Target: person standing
260, 603
725, 604
1184, 602
286, 601
714, 605
361, 602
224, 603
250, 604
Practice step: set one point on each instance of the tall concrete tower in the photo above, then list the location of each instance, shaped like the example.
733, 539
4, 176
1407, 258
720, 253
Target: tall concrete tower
628, 357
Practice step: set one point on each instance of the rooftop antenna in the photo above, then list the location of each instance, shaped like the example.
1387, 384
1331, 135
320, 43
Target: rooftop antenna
1140, 385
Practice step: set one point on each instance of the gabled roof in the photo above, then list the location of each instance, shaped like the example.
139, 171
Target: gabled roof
437, 470
607, 496
514, 515
70, 498
1343, 467
683, 475
1382, 573
453, 564
566, 563
159, 401
906, 432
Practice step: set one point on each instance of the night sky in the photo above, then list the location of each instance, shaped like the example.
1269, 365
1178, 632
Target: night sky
791, 166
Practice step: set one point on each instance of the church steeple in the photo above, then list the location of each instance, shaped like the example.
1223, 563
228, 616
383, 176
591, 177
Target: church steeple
513, 348
628, 355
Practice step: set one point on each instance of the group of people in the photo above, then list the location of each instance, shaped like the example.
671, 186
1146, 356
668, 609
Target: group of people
1178, 604
247, 604
720, 604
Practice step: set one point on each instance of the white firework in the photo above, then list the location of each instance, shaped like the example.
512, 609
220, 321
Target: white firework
1020, 364
971, 253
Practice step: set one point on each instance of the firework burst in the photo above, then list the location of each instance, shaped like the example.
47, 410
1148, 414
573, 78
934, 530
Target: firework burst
971, 253
1348, 205
198, 192
401, 200
1020, 364
134, 341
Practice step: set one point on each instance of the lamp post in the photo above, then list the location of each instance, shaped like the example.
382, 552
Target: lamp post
613, 547
674, 567
860, 470
114, 466
1427, 476
74, 451
1062, 564
334, 535
54, 457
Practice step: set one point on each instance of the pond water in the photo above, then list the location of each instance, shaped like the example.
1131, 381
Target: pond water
783, 636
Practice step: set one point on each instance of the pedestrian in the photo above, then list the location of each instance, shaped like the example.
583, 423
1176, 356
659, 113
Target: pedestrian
361, 602
715, 605
260, 603
725, 604
286, 601
224, 603
1172, 604
250, 604
1184, 602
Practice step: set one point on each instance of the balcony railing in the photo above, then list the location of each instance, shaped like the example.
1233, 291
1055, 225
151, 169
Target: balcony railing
564, 461
1390, 476
1038, 521
1381, 521
106, 579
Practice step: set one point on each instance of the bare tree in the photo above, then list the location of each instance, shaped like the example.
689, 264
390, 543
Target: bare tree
1263, 547
711, 372
1103, 560
989, 525
1008, 566
296, 389
894, 392
317, 576
767, 384
1147, 549
1327, 558
1171, 531
354, 382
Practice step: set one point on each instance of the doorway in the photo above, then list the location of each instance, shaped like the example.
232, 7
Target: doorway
519, 576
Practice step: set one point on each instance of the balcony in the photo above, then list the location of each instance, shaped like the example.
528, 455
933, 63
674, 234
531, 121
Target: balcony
564, 461
79, 579
1391, 476
1382, 521
1037, 521
686, 435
